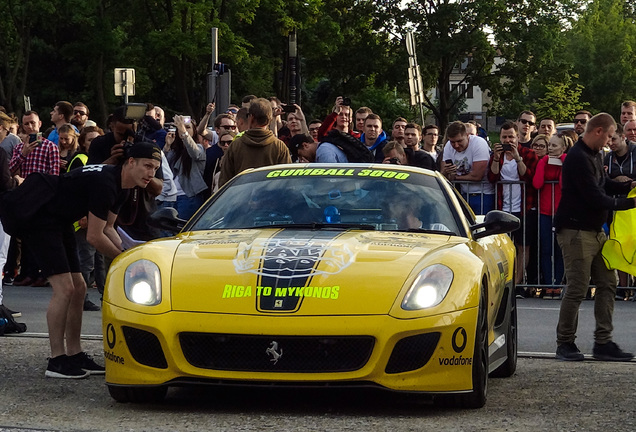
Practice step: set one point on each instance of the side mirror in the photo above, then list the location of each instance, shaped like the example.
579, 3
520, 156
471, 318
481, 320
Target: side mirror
166, 219
495, 222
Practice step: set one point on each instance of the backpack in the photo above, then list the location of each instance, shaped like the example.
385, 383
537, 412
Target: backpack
353, 148
10, 326
19, 205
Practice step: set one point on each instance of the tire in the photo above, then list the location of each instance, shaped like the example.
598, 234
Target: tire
477, 397
509, 367
138, 394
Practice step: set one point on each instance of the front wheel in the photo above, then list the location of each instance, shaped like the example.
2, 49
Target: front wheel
508, 368
477, 397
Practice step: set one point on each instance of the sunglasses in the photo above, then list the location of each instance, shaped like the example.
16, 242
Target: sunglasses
228, 126
582, 121
226, 142
79, 112
527, 122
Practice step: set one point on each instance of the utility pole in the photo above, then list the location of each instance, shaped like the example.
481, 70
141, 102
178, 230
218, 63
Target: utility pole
293, 53
415, 79
219, 80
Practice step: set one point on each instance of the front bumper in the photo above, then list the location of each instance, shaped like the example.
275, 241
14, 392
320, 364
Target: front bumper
142, 349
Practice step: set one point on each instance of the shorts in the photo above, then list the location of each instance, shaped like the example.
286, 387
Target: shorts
53, 245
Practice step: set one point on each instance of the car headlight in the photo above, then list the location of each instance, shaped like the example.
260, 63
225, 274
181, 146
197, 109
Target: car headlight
142, 283
429, 288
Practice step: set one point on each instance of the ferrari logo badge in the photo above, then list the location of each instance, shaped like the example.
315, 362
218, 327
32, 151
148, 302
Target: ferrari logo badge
273, 351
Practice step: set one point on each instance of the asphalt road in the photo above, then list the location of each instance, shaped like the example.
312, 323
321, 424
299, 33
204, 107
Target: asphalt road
544, 394
537, 320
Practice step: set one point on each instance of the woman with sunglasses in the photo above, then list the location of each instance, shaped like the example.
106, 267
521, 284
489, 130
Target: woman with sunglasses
187, 160
225, 139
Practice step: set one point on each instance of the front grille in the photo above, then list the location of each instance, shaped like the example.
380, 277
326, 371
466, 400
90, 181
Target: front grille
412, 352
145, 347
276, 353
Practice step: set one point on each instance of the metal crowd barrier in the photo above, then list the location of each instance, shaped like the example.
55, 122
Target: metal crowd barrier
532, 277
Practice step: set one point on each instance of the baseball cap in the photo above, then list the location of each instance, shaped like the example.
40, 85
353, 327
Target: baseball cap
297, 140
144, 149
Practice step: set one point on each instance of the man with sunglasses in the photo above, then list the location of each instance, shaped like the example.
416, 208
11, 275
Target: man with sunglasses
525, 124
80, 115
580, 120
222, 123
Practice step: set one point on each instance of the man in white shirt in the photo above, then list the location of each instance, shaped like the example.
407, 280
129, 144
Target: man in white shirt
466, 162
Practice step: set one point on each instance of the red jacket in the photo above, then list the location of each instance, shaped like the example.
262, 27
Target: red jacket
544, 173
329, 123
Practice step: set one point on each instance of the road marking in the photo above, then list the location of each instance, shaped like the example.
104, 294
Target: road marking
46, 336
551, 355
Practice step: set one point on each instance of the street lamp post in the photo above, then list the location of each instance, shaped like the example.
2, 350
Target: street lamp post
293, 52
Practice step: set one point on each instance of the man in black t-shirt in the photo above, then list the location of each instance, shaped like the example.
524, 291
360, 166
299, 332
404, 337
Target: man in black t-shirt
96, 191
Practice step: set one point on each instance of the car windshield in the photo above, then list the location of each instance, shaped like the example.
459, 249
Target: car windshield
317, 198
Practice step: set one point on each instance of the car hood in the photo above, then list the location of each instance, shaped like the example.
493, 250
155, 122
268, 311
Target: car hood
306, 272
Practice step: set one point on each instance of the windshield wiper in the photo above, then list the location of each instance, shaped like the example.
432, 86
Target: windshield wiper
321, 225
430, 231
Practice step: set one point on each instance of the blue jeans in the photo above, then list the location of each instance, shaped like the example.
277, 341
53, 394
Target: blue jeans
547, 239
481, 207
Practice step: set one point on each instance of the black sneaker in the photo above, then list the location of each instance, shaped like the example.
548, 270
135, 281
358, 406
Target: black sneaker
90, 306
569, 352
610, 352
14, 314
8, 280
86, 363
62, 367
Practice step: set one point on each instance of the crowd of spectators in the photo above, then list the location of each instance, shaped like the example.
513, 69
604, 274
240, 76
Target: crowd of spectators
519, 174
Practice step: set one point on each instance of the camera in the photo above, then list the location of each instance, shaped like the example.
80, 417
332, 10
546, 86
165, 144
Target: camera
395, 161
35, 137
346, 101
187, 119
288, 109
506, 147
135, 111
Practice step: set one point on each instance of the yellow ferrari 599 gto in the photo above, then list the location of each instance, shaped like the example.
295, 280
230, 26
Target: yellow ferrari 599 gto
348, 274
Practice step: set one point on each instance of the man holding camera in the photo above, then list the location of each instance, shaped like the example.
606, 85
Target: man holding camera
109, 149
512, 162
339, 119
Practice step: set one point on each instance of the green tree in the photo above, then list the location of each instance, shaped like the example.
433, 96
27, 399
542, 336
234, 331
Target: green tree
602, 44
452, 46
561, 100
531, 41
